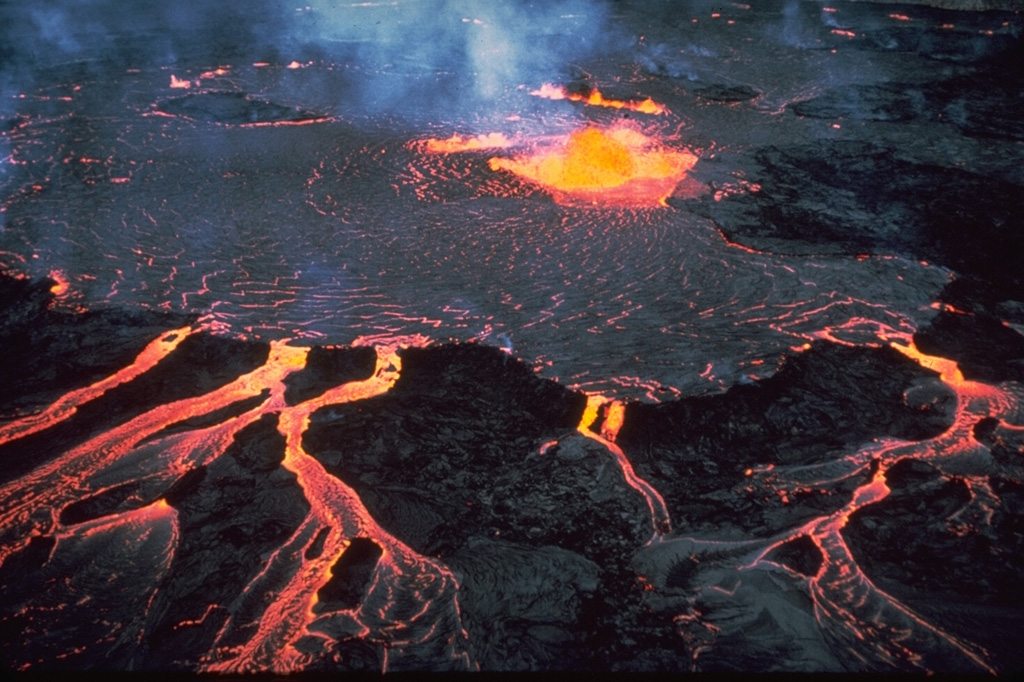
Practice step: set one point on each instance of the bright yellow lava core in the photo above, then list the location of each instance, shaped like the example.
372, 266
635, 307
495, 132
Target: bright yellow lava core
618, 167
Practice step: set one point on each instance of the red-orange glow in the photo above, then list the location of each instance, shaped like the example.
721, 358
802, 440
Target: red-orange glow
286, 124
899, 17
460, 143
616, 167
402, 577
152, 354
948, 370
614, 415
336, 506
61, 284
596, 99
844, 32
180, 82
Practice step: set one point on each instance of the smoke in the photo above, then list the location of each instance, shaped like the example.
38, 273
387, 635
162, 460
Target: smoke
42, 43
398, 56
444, 55
661, 60
795, 31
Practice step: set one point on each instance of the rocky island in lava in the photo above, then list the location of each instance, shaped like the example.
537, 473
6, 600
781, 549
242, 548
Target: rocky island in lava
450, 335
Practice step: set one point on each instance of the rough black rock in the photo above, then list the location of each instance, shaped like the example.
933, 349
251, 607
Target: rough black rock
449, 461
718, 92
825, 401
48, 349
876, 102
233, 108
917, 546
979, 105
845, 197
242, 506
983, 346
350, 576
799, 554
326, 368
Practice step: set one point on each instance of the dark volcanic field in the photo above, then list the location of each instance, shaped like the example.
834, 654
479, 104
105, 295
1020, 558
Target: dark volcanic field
848, 497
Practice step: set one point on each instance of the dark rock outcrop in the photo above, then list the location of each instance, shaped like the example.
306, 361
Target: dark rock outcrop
233, 108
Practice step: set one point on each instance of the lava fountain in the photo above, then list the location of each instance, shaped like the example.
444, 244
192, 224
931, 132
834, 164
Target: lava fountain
618, 167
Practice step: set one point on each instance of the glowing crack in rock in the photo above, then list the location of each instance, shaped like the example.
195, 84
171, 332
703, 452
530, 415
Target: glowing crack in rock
619, 167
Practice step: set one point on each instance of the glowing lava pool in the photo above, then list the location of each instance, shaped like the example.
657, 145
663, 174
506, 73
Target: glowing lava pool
463, 335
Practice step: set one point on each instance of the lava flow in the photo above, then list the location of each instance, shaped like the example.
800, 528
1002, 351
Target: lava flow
465, 143
410, 596
867, 627
596, 99
618, 167
614, 414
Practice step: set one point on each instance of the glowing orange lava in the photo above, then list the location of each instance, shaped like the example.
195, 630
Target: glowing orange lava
596, 99
616, 167
467, 143
409, 594
614, 415
61, 284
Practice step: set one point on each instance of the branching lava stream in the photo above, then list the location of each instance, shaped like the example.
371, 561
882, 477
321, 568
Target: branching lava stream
412, 596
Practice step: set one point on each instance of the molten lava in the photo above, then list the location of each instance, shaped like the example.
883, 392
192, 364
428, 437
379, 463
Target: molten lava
459, 143
596, 99
617, 167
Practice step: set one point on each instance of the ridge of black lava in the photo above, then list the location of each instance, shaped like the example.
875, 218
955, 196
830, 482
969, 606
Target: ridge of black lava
961, 576
851, 197
233, 108
720, 92
959, 45
983, 346
979, 105
448, 461
47, 348
49, 351
822, 402
327, 367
